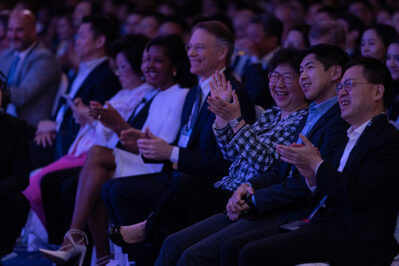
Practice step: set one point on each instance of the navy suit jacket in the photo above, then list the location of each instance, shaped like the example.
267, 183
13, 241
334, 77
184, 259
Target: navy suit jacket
202, 156
283, 186
100, 85
363, 201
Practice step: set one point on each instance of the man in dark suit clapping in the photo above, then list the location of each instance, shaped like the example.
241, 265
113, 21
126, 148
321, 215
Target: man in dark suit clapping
360, 183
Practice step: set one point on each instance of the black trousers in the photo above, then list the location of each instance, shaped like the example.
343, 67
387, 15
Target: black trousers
169, 202
312, 243
58, 196
14, 208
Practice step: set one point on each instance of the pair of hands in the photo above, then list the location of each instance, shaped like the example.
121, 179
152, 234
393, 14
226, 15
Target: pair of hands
236, 204
219, 101
108, 116
146, 143
305, 157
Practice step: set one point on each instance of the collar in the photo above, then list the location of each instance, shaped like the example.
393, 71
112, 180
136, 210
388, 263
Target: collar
205, 87
24, 53
322, 107
269, 56
92, 63
352, 133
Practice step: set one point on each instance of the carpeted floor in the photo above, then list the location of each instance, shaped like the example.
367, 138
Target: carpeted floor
21, 257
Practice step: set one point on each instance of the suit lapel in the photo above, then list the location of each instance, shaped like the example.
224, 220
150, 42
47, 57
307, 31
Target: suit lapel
334, 110
188, 106
93, 74
201, 119
370, 133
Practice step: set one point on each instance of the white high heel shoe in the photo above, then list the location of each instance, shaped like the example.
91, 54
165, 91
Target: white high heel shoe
68, 252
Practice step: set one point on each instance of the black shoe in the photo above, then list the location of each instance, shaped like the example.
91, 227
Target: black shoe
114, 234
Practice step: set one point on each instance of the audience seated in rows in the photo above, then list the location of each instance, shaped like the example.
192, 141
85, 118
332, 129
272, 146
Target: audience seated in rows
165, 67
194, 152
280, 194
108, 122
359, 182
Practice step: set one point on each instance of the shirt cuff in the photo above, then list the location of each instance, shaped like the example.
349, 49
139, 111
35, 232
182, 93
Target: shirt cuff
317, 168
220, 131
312, 189
174, 156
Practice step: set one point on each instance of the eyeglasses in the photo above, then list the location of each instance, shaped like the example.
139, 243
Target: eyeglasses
287, 78
347, 85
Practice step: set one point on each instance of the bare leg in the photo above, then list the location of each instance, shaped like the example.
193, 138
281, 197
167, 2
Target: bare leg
98, 222
134, 233
97, 170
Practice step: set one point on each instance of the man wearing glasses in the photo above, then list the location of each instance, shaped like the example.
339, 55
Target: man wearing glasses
360, 183
282, 193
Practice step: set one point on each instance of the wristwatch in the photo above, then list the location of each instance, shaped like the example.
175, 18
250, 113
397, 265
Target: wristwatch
233, 123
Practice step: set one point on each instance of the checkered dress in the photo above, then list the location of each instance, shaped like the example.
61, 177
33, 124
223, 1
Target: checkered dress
252, 149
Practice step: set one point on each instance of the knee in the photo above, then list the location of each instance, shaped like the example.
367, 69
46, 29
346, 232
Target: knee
228, 251
97, 154
169, 253
187, 258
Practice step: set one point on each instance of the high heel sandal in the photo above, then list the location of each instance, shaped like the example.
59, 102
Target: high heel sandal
103, 260
70, 251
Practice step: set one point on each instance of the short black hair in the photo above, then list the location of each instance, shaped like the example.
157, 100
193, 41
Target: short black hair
303, 29
176, 52
132, 47
272, 26
375, 72
290, 56
328, 54
103, 25
385, 32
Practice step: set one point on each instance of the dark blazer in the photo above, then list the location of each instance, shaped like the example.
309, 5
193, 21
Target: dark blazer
14, 155
363, 200
202, 156
100, 85
283, 185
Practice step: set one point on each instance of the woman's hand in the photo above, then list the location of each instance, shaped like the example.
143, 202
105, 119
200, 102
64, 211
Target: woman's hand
108, 116
129, 137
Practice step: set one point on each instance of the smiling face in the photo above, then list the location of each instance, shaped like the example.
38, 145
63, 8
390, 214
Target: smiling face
358, 105
315, 80
157, 68
21, 31
392, 61
287, 95
372, 45
204, 55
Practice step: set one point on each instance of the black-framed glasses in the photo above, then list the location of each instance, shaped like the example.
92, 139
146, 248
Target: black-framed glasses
287, 78
347, 85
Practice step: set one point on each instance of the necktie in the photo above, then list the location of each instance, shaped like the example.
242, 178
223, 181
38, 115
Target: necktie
13, 71
197, 107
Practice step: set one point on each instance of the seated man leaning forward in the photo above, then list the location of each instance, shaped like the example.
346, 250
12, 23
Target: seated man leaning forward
360, 184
